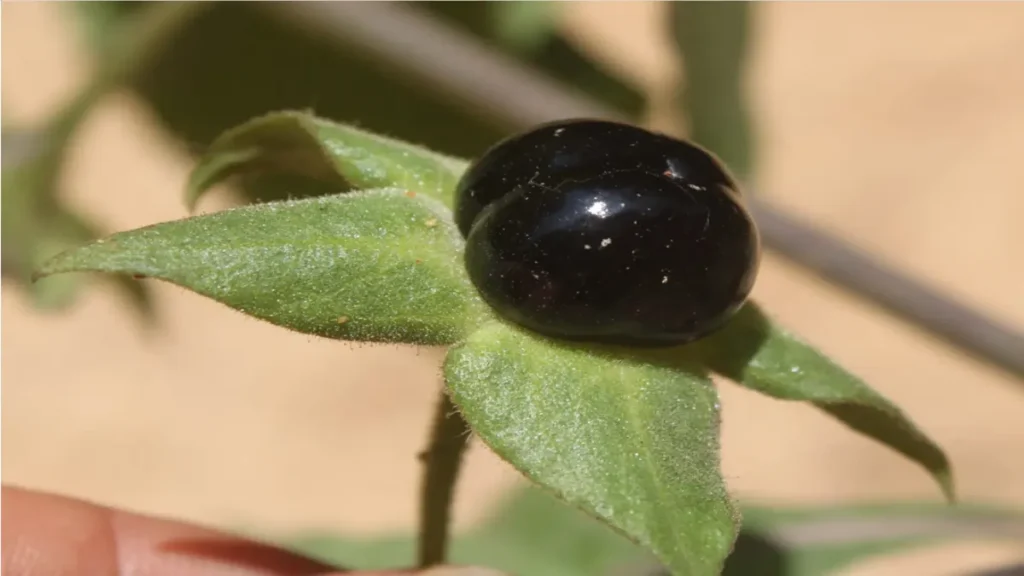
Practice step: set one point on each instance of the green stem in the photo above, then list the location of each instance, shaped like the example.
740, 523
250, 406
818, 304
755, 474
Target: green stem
442, 460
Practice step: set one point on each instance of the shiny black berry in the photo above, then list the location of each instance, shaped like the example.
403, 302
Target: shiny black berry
605, 232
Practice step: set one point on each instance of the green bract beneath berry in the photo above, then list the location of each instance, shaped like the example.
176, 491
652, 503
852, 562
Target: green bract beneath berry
302, 144
631, 442
628, 435
754, 352
373, 266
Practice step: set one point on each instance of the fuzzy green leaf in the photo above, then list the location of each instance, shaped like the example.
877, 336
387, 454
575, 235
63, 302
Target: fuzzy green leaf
754, 352
373, 266
630, 442
302, 144
66, 230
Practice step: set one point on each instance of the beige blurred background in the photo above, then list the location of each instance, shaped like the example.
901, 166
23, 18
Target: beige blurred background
899, 126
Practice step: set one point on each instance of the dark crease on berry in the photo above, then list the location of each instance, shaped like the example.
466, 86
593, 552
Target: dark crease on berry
605, 232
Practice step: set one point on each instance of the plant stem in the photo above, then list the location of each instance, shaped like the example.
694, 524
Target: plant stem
442, 459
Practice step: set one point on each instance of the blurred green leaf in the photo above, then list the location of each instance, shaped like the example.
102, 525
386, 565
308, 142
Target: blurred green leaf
757, 354
36, 224
815, 541
374, 266
525, 26
635, 444
713, 40
100, 23
27, 193
303, 144
531, 534
240, 60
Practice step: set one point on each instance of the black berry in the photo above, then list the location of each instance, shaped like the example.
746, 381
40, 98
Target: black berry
600, 231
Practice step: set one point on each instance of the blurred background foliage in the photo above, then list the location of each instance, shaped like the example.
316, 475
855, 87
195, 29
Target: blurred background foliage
533, 534
231, 61
235, 61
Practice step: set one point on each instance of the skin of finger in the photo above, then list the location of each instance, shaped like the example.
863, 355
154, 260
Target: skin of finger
49, 535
